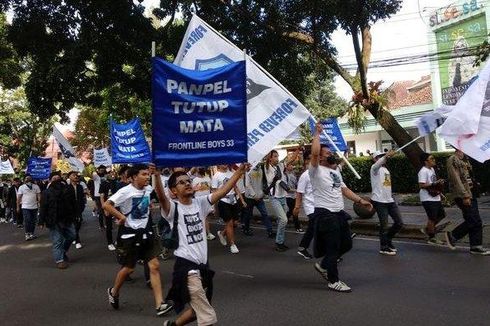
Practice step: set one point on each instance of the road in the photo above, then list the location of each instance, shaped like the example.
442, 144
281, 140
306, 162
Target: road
422, 285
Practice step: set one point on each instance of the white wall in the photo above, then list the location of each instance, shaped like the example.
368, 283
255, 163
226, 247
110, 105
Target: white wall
363, 141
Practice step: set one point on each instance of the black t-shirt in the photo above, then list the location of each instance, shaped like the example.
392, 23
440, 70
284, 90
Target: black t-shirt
105, 189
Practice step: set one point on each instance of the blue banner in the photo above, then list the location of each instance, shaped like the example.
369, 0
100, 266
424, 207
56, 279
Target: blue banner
199, 117
39, 168
128, 143
331, 128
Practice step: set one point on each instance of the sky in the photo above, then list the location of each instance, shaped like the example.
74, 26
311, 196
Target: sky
405, 33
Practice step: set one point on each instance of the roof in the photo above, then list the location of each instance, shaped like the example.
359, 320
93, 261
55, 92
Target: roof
408, 93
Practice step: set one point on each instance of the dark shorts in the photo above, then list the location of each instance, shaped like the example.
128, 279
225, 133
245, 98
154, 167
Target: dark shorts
228, 212
129, 251
435, 211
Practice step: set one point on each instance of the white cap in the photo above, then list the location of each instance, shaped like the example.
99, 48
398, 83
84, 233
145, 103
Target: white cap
378, 153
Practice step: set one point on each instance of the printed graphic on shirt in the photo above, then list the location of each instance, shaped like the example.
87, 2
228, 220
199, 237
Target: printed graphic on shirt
141, 206
336, 182
433, 178
194, 227
387, 180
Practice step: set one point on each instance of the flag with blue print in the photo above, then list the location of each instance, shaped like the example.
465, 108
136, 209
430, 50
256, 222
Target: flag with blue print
128, 143
331, 128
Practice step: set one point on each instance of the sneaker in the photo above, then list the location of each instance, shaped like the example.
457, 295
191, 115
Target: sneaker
392, 247
164, 308
435, 241
28, 237
248, 232
210, 236
300, 231
450, 241
321, 271
339, 286
271, 235
169, 323
20, 226
353, 235
306, 255
111, 247
78, 245
281, 247
62, 265
114, 301
74, 242
33, 236
234, 249
479, 251
222, 238
387, 251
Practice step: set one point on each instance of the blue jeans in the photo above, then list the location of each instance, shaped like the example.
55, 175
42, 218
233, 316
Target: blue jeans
251, 203
384, 210
62, 237
30, 219
280, 208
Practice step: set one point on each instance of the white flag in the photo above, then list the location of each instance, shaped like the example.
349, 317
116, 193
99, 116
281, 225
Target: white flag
476, 145
272, 112
6, 167
464, 118
67, 151
102, 157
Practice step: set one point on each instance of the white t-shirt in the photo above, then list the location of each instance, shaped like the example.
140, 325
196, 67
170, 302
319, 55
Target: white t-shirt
292, 182
270, 172
427, 175
381, 182
193, 244
201, 185
327, 188
135, 204
219, 179
29, 196
97, 181
305, 188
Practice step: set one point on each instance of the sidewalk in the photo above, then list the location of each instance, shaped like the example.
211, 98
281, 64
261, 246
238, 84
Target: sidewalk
414, 219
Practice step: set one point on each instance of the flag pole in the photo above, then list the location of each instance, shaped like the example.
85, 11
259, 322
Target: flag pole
410, 142
283, 88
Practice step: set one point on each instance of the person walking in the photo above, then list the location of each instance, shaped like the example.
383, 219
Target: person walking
430, 197
305, 200
465, 192
57, 219
28, 196
136, 239
383, 202
192, 281
15, 215
76, 201
332, 232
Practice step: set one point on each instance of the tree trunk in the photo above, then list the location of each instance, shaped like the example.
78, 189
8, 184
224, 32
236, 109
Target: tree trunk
398, 133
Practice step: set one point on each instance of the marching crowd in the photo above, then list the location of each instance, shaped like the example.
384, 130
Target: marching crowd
188, 197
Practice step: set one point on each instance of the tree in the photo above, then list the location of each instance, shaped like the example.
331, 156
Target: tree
278, 32
10, 67
22, 134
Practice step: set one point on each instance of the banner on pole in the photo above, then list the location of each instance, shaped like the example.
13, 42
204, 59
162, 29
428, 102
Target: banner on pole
199, 117
128, 143
67, 151
272, 112
102, 157
6, 167
39, 168
331, 128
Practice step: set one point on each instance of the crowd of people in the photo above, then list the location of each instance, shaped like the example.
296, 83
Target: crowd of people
187, 197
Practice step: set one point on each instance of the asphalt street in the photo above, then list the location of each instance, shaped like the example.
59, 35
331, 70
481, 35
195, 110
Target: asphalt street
422, 285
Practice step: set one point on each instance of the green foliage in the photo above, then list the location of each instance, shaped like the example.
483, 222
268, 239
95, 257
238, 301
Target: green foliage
403, 175
10, 68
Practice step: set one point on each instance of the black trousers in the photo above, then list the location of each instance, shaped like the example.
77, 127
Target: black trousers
291, 202
472, 224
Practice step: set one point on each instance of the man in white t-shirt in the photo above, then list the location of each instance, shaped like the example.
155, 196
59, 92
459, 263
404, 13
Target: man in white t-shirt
430, 197
228, 207
136, 240
304, 198
192, 278
28, 197
332, 232
384, 203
